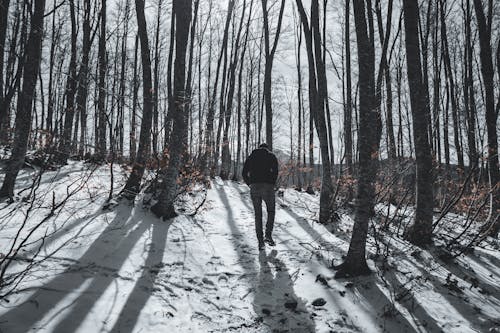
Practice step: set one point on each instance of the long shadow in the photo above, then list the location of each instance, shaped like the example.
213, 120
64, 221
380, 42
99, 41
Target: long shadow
490, 263
144, 286
407, 299
112, 241
243, 253
65, 228
302, 222
464, 273
479, 320
49, 176
383, 309
281, 283
275, 300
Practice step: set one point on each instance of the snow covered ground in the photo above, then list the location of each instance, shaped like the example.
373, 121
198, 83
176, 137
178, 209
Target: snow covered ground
123, 270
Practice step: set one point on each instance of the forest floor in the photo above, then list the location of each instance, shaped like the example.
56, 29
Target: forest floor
99, 268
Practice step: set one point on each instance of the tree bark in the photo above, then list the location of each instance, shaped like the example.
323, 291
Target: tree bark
420, 232
317, 95
101, 107
25, 100
492, 228
355, 262
65, 143
268, 68
132, 187
165, 205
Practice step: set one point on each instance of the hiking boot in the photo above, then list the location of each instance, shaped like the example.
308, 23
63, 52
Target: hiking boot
269, 240
262, 246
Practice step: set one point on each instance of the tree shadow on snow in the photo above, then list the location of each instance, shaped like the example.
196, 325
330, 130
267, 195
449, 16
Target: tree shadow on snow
275, 301
404, 295
452, 294
244, 250
90, 277
383, 309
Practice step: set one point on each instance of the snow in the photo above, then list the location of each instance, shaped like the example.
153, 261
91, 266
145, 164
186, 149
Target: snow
123, 270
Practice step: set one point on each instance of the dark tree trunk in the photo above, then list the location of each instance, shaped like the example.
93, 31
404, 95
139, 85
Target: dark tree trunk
208, 139
226, 153
25, 101
4, 14
189, 89
469, 94
348, 102
420, 232
451, 83
301, 119
12, 75
269, 58
317, 95
101, 107
436, 62
487, 71
168, 116
132, 187
355, 262
165, 205
65, 143
156, 83
135, 90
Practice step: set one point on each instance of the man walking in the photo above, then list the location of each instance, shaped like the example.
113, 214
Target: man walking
260, 173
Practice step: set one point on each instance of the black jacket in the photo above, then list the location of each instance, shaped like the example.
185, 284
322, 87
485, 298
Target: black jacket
261, 167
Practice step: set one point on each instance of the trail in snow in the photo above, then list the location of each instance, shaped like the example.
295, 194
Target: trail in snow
126, 271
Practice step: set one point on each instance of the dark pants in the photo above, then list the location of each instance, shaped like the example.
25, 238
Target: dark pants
263, 192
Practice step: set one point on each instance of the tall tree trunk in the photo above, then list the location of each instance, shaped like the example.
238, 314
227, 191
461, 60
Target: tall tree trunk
301, 119
65, 143
269, 58
436, 63
420, 231
487, 71
451, 82
168, 116
317, 95
101, 107
469, 95
348, 92
208, 139
135, 89
189, 89
165, 205
12, 75
4, 14
355, 262
226, 155
24, 104
132, 187
156, 83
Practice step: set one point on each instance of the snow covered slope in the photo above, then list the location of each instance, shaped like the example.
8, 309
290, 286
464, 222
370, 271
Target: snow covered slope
123, 270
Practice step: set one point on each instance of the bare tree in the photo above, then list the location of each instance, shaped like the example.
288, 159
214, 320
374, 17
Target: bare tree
269, 58
101, 107
133, 184
317, 96
165, 205
420, 232
25, 100
487, 71
355, 262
